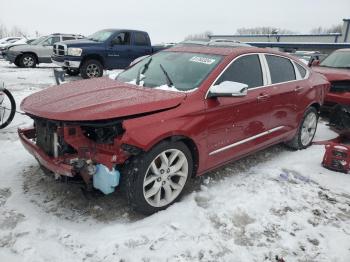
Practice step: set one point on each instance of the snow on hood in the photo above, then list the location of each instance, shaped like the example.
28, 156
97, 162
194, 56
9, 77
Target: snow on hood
98, 99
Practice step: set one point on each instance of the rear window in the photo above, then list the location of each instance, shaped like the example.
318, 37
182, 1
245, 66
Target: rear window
302, 70
141, 39
64, 38
281, 69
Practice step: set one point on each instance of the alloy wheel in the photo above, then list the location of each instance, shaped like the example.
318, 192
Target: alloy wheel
308, 129
165, 177
92, 70
28, 61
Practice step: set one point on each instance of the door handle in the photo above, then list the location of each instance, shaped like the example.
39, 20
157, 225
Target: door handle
263, 97
298, 88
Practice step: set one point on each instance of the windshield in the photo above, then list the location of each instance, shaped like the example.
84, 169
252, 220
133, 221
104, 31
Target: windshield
100, 36
37, 41
338, 59
180, 71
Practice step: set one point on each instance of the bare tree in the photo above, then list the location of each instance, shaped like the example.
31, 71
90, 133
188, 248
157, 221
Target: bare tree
324, 30
263, 30
14, 31
200, 36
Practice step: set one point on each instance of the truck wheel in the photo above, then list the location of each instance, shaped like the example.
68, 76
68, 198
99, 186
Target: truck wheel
91, 68
17, 63
72, 72
306, 131
156, 179
27, 60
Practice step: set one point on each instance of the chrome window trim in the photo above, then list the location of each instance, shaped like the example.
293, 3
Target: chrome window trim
245, 140
297, 72
266, 68
303, 66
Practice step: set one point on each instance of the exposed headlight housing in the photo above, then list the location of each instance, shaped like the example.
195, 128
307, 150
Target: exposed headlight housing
74, 51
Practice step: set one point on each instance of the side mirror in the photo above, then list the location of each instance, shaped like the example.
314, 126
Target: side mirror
228, 89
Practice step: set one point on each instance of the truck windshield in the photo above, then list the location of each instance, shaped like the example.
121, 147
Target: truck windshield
100, 36
338, 59
176, 70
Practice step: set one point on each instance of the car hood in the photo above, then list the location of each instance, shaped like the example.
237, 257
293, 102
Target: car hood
333, 74
98, 99
21, 48
80, 43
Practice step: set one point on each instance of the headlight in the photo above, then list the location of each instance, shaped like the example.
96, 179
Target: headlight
75, 51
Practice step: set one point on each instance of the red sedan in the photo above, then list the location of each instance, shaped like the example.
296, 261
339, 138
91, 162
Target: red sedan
174, 115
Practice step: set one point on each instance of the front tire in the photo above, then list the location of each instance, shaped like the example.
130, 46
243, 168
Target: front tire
27, 60
306, 130
156, 179
91, 69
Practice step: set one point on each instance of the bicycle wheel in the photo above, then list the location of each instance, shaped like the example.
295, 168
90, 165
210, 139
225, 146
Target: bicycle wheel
7, 108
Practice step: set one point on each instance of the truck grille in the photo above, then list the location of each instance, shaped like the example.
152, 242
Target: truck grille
59, 50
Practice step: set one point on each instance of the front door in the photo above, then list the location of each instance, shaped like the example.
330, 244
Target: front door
44, 50
238, 125
118, 51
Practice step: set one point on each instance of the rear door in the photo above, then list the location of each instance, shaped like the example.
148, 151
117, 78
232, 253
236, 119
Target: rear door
141, 45
285, 88
238, 125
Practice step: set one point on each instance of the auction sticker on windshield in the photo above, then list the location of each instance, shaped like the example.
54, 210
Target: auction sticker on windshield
203, 60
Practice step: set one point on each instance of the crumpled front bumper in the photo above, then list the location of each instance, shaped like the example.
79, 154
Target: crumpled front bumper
56, 165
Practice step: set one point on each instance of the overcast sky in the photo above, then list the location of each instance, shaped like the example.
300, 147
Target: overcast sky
170, 21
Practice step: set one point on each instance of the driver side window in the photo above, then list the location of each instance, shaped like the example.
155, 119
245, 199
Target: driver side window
245, 70
123, 38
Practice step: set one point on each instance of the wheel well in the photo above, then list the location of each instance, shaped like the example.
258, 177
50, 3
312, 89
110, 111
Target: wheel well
191, 146
34, 54
317, 106
96, 57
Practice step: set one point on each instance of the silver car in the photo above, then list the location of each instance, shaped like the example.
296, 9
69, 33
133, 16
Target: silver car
38, 51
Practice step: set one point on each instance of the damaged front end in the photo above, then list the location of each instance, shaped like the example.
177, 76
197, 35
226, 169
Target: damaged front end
91, 150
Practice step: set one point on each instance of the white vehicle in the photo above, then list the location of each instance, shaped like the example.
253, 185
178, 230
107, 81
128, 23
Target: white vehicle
8, 40
21, 41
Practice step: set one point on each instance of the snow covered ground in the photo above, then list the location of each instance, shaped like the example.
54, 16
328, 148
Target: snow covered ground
274, 203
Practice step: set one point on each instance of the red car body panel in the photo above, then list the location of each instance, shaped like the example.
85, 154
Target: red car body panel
209, 123
98, 99
335, 75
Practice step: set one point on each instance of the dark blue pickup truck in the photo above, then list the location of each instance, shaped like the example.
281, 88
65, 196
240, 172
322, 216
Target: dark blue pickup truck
105, 49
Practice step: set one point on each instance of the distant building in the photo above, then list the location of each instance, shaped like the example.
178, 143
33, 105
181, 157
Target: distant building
291, 42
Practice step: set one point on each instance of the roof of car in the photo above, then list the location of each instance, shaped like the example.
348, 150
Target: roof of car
343, 50
122, 29
225, 51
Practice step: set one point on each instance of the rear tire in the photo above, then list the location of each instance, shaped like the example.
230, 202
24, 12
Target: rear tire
154, 180
27, 60
306, 131
91, 69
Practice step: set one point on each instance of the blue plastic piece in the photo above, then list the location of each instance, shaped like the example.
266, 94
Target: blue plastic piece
106, 180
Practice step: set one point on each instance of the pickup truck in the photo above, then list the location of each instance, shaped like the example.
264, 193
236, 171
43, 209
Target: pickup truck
105, 49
